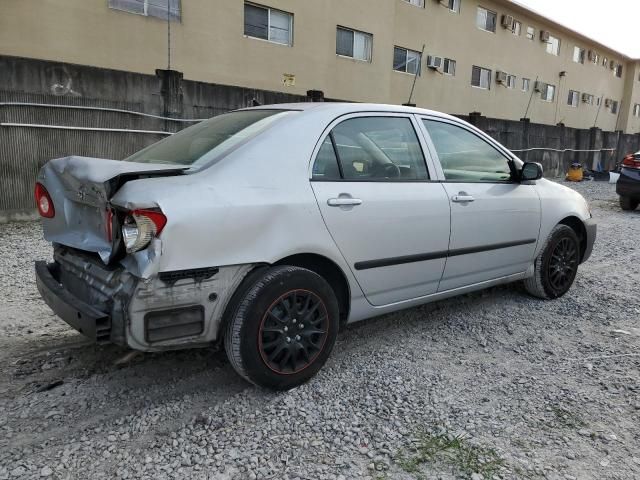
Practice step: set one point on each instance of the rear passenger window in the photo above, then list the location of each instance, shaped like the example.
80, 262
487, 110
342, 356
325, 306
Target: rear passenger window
375, 149
465, 157
326, 166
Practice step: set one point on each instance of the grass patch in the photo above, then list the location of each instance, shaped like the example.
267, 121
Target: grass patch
567, 418
452, 450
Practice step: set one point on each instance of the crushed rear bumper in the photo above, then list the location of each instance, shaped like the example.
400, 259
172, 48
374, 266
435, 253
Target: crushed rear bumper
92, 323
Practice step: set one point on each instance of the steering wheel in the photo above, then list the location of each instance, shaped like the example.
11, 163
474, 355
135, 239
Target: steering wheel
389, 170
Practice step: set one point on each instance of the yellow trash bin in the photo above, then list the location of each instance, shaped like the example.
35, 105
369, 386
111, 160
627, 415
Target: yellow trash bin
575, 173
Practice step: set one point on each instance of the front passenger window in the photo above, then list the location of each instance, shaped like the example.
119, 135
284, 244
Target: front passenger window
465, 157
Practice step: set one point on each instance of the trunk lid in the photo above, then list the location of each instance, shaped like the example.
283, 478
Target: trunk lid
80, 188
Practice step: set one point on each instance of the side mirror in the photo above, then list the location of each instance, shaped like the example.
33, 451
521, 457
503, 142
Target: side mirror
531, 171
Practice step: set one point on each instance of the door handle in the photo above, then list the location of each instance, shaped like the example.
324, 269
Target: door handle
344, 202
462, 198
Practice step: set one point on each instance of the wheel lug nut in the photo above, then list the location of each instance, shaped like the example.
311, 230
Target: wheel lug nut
298, 337
286, 329
293, 321
301, 325
288, 339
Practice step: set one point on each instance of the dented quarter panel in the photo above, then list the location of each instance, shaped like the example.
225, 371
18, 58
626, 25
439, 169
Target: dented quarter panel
154, 294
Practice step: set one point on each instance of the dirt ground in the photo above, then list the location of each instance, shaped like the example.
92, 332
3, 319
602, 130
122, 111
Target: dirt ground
490, 385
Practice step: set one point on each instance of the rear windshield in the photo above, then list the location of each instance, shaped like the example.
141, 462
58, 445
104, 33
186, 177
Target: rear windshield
208, 141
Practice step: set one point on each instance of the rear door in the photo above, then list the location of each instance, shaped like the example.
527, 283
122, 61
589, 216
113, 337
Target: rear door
495, 221
389, 220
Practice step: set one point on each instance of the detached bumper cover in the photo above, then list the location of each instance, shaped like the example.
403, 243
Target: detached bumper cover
87, 320
591, 227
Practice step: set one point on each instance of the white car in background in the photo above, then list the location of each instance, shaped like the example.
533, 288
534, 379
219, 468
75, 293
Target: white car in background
268, 228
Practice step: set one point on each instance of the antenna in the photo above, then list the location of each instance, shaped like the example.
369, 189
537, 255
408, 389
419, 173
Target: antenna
168, 34
595, 122
416, 76
533, 90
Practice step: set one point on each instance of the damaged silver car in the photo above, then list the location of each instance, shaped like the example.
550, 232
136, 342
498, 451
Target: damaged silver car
268, 228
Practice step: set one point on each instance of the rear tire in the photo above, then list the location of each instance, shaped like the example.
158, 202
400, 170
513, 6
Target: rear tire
556, 266
282, 328
628, 203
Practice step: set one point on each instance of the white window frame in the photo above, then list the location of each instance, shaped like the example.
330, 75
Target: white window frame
614, 107
407, 51
578, 54
454, 6
636, 110
511, 81
617, 72
589, 99
545, 93
531, 33
488, 77
416, 3
554, 42
268, 39
145, 10
526, 84
516, 29
446, 67
486, 16
573, 100
356, 32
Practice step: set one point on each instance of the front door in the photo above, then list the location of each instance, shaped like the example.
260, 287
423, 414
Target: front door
495, 221
390, 222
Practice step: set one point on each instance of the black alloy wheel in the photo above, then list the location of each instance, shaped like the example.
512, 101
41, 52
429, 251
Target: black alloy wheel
293, 331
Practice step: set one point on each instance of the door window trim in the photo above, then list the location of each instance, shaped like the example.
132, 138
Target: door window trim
511, 159
417, 127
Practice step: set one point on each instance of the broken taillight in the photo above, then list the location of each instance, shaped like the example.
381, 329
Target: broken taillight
44, 202
140, 226
631, 161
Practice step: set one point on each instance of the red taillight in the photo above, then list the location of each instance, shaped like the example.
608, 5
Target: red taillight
158, 219
44, 202
631, 162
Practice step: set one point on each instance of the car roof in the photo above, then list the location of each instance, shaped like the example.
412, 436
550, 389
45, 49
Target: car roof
342, 108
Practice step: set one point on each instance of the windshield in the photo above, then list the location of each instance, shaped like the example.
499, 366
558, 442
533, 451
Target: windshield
208, 141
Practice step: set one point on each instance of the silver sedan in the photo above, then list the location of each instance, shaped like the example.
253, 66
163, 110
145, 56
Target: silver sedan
268, 228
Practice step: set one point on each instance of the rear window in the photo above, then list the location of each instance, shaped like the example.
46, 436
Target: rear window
207, 142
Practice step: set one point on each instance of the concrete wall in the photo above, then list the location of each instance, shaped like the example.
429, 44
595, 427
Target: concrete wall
24, 149
209, 46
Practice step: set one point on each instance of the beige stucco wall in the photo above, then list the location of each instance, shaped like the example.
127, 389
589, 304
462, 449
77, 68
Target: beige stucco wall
209, 45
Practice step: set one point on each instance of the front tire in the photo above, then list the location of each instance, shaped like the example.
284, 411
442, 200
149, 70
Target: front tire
282, 327
628, 203
556, 266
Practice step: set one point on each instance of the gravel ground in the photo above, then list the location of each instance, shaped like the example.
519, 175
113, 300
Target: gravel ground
494, 384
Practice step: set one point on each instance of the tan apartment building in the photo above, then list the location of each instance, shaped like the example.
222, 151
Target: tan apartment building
488, 56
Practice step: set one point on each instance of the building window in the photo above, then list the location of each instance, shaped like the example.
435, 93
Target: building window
636, 110
618, 71
511, 81
486, 20
605, 62
598, 100
587, 98
526, 83
449, 67
454, 6
553, 45
614, 106
408, 61
516, 29
354, 44
268, 24
578, 55
531, 33
417, 3
574, 98
150, 8
549, 93
481, 77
